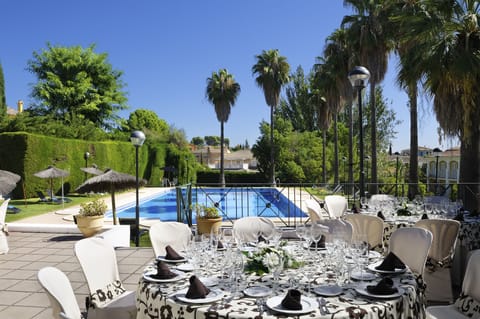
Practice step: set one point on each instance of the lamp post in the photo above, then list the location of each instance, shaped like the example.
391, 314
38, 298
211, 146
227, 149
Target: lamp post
436, 152
358, 77
367, 158
86, 155
137, 138
344, 160
397, 154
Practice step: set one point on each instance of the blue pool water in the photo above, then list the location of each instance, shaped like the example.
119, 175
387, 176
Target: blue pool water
233, 203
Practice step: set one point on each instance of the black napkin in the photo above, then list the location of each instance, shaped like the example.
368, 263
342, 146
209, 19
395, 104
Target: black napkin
220, 245
380, 214
163, 271
197, 289
390, 263
292, 300
172, 254
320, 244
384, 287
424, 216
459, 217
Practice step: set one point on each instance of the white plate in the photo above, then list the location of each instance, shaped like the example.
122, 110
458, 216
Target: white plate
162, 258
328, 290
372, 254
364, 292
308, 305
307, 246
146, 276
257, 291
186, 267
214, 295
396, 271
363, 275
209, 281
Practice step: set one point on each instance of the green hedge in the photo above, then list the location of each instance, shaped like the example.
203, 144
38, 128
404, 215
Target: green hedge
26, 154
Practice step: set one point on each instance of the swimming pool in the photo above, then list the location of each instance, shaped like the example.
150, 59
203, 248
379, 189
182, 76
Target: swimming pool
233, 203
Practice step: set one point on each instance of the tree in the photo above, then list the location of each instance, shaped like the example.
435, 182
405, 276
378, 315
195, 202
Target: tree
272, 73
76, 84
148, 121
222, 91
3, 99
198, 141
366, 32
447, 38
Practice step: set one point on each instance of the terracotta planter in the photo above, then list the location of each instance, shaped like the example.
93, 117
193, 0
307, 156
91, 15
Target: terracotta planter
205, 225
89, 225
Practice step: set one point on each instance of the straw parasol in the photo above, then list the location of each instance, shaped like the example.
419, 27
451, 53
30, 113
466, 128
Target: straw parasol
8, 181
110, 181
52, 172
94, 170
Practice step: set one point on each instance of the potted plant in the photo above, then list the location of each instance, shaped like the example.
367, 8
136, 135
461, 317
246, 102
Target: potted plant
208, 219
90, 218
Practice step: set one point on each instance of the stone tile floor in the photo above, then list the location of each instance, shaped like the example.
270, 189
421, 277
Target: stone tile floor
22, 297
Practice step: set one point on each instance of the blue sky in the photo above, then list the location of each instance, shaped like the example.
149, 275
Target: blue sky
167, 50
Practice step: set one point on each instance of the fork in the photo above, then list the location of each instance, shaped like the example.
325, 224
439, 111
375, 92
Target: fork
322, 306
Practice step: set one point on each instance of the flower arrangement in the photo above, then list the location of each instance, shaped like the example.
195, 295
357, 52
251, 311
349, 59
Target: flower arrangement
261, 261
94, 208
206, 212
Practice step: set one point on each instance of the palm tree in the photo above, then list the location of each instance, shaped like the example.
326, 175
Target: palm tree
368, 39
447, 41
222, 91
272, 73
409, 74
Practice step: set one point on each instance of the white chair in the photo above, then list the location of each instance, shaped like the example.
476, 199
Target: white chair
108, 297
313, 210
3, 227
336, 205
437, 275
411, 245
175, 234
470, 288
371, 226
60, 293
247, 229
340, 228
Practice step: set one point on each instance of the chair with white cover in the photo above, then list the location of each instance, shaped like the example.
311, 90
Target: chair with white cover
440, 258
338, 228
371, 226
247, 229
174, 234
336, 205
60, 293
3, 227
314, 210
468, 304
108, 298
411, 246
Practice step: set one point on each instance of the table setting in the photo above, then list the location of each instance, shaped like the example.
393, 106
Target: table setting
276, 279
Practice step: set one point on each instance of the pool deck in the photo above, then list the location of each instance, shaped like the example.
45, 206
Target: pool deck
47, 240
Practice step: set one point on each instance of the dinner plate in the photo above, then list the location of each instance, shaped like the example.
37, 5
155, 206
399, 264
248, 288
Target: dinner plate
372, 254
328, 290
209, 281
214, 295
174, 261
308, 305
147, 276
186, 267
396, 271
364, 292
362, 275
257, 291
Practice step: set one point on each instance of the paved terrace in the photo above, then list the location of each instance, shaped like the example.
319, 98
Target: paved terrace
33, 245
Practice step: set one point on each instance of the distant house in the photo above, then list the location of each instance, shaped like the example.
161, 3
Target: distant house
11, 112
238, 160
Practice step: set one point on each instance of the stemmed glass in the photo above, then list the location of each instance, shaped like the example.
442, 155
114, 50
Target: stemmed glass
274, 263
360, 249
300, 232
276, 236
236, 272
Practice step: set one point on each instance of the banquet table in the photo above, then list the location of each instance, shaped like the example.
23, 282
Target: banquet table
159, 300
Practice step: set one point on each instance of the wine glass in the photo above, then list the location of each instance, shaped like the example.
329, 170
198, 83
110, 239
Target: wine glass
274, 263
360, 249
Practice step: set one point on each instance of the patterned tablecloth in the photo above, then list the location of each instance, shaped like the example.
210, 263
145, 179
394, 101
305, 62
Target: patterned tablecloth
158, 300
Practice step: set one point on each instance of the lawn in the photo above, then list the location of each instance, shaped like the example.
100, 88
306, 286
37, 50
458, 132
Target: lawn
33, 206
